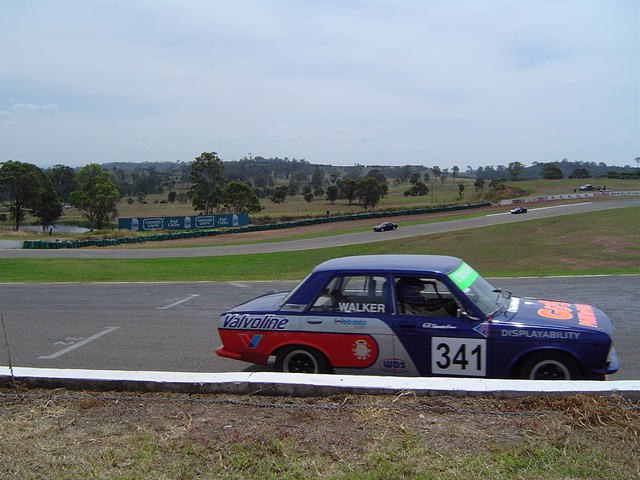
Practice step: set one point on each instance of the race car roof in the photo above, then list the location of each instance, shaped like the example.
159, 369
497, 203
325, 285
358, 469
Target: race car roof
382, 263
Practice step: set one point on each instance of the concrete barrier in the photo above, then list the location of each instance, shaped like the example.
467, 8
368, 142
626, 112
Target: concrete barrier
272, 383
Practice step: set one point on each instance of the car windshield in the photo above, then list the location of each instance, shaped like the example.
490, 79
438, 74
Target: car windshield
484, 295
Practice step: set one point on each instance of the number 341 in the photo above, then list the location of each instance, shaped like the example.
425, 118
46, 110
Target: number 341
458, 356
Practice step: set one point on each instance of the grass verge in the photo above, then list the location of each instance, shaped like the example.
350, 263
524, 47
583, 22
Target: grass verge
60, 434
588, 243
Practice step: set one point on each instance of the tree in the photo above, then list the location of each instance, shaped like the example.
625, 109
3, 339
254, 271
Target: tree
279, 194
317, 178
64, 181
238, 197
96, 196
378, 175
460, 190
551, 171
417, 190
369, 192
515, 169
454, 172
580, 172
332, 194
405, 174
479, 184
348, 188
437, 173
206, 182
23, 183
48, 208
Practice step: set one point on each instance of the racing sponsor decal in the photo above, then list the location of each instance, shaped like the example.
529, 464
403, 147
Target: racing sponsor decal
543, 334
458, 356
586, 316
356, 322
361, 349
351, 307
394, 365
254, 322
463, 276
438, 326
482, 329
564, 311
251, 342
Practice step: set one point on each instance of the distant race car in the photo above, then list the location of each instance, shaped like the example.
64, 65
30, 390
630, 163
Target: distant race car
519, 210
418, 315
385, 226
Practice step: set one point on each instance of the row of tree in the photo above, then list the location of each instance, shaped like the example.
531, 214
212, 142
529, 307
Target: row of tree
30, 190
237, 186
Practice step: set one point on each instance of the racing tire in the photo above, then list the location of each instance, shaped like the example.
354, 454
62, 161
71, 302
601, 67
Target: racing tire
296, 359
549, 366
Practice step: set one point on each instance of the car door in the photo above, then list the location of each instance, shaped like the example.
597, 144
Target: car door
347, 321
429, 332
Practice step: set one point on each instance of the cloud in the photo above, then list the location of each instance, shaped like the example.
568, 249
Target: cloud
449, 82
32, 107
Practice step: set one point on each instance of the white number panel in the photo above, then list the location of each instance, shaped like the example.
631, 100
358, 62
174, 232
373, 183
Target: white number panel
459, 356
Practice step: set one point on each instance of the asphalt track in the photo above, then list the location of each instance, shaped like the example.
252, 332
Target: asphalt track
171, 326
322, 242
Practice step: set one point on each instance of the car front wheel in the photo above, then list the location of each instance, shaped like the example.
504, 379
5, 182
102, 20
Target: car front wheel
549, 366
301, 360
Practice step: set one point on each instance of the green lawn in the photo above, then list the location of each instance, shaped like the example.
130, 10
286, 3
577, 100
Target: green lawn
589, 243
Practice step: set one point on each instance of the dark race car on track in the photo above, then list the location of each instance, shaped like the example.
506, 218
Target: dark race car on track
419, 315
384, 226
518, 210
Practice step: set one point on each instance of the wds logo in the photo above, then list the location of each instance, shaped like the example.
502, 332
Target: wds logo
395, 365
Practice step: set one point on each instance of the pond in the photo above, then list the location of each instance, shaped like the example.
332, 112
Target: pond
59, 228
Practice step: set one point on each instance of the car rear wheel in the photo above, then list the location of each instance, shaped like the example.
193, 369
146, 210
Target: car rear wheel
301, 360
549, 366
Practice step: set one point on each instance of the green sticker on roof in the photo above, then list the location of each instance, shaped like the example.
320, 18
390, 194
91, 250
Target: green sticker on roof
463, 276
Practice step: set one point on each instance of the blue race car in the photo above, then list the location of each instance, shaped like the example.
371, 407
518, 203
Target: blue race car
418, 315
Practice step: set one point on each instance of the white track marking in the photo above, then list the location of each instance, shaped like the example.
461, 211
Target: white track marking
80, 344
541, 208
171, 305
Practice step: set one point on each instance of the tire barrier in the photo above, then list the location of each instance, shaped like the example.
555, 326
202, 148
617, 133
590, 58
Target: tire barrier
160, 237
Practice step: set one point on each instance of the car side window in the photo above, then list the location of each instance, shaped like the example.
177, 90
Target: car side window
424, 296
353, 294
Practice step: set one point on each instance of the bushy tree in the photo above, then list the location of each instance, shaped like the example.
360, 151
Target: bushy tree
551, 171
48, 208
238, 197
279, 194
580, 172
96, 196
206, 182
347, 188
64, 181
418, 189
332, 194
515, 169
23, 184
369, 192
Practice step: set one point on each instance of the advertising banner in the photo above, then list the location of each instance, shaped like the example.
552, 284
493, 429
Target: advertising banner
193, 222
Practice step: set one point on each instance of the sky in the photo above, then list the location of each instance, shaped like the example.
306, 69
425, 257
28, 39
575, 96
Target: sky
340, 82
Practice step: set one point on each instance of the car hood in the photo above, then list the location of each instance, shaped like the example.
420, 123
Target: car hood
266, 303
536, 312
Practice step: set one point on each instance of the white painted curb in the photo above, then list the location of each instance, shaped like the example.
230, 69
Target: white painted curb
304, 384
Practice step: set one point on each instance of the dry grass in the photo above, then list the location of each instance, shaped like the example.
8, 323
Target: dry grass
61, 434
